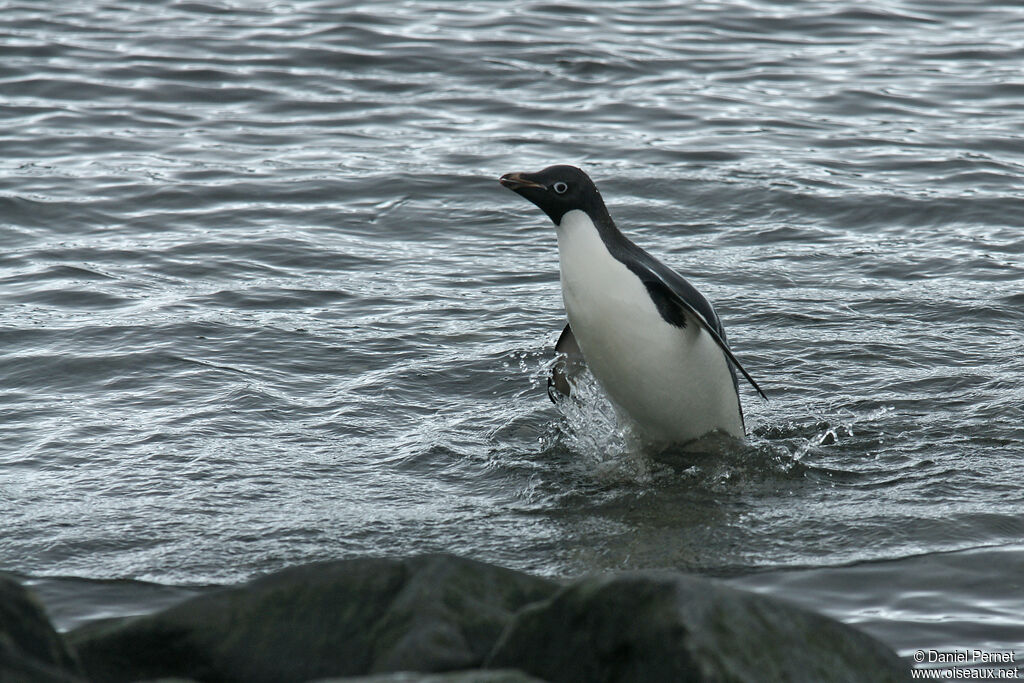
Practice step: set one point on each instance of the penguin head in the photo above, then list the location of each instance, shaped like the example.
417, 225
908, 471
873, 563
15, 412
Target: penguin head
557, 190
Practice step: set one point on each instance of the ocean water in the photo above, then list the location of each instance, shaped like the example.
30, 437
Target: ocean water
264, 301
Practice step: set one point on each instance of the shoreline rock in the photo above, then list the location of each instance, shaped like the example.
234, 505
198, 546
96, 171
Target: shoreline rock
31, 650
446, 619
430, 613
667, 626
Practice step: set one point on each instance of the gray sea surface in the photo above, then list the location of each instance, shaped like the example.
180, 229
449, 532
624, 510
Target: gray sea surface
263, 301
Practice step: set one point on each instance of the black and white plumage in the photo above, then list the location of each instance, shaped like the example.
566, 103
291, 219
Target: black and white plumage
652, 341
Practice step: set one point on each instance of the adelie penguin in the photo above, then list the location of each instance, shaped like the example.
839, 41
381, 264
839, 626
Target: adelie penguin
652, 341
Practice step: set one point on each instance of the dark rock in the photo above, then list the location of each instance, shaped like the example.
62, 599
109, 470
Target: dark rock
345, 618
664, 626
475, 676
31, 651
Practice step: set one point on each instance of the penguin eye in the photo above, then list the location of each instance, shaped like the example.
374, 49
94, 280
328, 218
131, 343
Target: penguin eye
560, 187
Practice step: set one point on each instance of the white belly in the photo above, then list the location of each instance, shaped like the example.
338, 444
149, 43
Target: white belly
673, 382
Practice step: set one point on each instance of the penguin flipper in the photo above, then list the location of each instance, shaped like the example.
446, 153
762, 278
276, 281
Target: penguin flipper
665, 297
569, 363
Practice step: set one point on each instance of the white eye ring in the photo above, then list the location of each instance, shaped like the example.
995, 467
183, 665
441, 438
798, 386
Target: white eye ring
560, 187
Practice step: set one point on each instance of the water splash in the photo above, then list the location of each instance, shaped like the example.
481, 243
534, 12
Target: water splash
602, 437
816, 430
609, 444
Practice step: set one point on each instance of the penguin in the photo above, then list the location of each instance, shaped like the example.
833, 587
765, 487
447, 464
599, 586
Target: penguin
652, 341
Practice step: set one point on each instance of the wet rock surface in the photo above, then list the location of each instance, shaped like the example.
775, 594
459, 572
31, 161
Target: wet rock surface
344, 618
445, 619
666, 626
30, 649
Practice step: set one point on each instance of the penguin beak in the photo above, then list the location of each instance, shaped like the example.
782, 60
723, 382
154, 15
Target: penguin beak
516, 182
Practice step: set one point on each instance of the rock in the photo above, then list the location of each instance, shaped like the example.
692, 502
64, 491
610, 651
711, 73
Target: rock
472, 676
347, 618
412, 620
665, 626
475, 676
31, 651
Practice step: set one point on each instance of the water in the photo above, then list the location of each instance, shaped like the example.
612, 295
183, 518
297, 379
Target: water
265, 303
